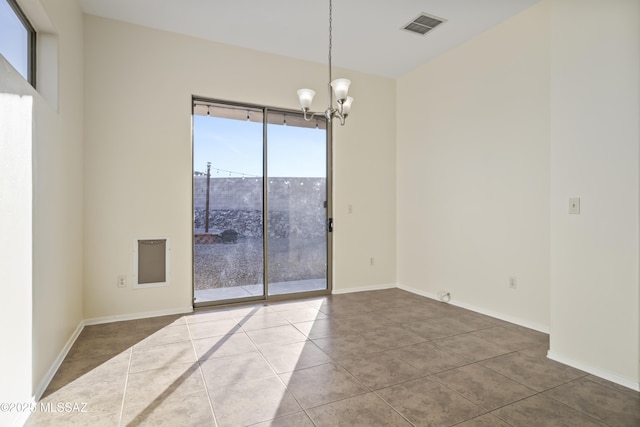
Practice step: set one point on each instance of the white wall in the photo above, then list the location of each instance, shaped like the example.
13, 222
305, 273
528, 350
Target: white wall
41, 176
138, 88
473, 172
15, 245
595, 141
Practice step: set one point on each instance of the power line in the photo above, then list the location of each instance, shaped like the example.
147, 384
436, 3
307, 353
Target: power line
231, 173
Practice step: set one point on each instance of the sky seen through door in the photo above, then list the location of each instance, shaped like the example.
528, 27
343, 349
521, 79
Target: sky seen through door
234, 148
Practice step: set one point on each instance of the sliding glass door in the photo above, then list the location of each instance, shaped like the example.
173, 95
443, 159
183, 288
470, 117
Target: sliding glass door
260, 199
296, 197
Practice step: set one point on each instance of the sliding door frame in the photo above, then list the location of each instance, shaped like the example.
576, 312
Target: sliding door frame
265, 207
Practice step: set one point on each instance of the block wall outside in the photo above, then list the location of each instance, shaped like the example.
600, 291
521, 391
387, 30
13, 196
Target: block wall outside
296, 205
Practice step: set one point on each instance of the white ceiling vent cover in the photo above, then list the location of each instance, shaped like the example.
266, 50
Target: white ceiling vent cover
423, 23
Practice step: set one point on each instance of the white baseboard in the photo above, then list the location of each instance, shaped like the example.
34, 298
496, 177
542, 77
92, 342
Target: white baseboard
461, 304
361, 289
136, 316
44, 383
614, 378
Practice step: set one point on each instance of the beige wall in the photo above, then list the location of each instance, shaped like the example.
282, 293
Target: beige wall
139, 84
494, 137
595, 155
58, 192
42, 207
473, 172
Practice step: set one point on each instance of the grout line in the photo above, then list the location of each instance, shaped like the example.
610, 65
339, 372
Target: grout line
204, 382
126, 382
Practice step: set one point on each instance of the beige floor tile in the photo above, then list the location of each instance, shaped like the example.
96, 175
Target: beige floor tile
428, 330
361, 411
347, 346
428, 358
611, 406
434, 308
323, 328
152, 324
252, 402
483, 386
161, 356
107, 346
404, 315
425, 402
618, 387
261, 321
380, 370
306, 314
296, 420
462, 323
73, 419
101, 394
344, 308
391, 337
546, 412
88, 370
192, 410
112, 329
322, 384
289, 357
153, 387
214, 328
365, 321
226, 345
279, 335
486, 420
513, 337
471, 347
165, 335
234, 369
536, 372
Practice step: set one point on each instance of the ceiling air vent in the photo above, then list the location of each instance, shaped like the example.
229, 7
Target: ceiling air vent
423, 23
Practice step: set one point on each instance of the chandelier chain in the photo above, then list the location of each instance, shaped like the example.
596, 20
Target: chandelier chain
330, 36
339, 88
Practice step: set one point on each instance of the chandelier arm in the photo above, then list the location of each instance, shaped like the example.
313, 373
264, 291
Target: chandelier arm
308, 118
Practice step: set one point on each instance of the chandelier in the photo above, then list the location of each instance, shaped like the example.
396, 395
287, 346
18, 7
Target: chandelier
338, 88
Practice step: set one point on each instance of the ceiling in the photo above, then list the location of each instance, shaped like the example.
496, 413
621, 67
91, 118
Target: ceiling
367, 34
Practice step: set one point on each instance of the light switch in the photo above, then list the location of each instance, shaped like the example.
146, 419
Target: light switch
574, 205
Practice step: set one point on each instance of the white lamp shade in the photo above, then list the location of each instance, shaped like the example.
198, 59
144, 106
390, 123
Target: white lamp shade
341, 88
346, 106
306, 96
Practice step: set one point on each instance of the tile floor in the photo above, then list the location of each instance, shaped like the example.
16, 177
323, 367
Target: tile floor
380, 358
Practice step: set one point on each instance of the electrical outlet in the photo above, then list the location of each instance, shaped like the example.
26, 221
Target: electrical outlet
574, 205
122, 281
513, 282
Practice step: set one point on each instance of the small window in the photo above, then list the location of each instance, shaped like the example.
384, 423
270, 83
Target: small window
17, 40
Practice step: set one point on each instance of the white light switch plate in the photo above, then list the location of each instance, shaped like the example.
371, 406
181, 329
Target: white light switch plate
574, 205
